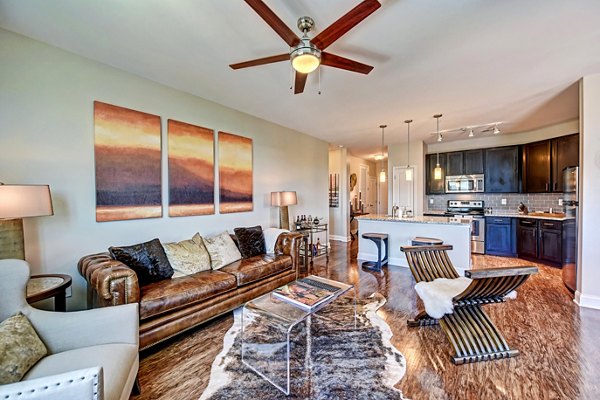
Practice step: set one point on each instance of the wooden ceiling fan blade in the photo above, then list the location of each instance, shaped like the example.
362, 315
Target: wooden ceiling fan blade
331, 60
345, 23
274, 22
300, 82
261, 61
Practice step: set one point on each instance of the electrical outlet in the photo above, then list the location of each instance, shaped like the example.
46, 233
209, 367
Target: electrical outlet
503, 202
430, 201
560, 202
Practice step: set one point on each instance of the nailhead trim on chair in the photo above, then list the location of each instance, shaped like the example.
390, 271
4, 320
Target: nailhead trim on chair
57, 384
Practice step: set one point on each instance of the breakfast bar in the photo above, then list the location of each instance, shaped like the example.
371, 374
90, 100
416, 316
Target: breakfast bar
401, 231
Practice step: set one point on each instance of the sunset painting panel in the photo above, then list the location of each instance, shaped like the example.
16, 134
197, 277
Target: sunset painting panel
191, 170
127, 155
235, 173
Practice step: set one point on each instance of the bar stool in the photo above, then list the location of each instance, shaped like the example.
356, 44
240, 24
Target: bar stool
378, 239
425, 241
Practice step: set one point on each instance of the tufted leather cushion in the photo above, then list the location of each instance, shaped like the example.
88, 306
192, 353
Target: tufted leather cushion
171, 294
251, 241
252, 269
148, 260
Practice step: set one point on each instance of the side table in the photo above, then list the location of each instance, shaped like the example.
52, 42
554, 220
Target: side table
45, 286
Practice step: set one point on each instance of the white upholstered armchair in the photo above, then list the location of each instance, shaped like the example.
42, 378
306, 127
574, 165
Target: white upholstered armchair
92, 354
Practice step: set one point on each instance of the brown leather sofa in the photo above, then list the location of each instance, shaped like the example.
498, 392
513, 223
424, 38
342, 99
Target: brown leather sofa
171, 306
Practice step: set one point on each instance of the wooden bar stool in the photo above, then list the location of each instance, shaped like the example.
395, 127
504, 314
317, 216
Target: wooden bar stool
425, 241
378, 239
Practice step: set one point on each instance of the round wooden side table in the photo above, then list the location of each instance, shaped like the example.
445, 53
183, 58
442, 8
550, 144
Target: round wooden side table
45, 286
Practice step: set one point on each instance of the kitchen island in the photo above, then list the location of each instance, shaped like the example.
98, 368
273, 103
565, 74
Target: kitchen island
401, 231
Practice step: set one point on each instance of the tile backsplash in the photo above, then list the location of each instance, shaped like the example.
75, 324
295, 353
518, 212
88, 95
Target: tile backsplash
533, 201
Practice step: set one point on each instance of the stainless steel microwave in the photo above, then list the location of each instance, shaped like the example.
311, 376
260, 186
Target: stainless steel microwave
464, 183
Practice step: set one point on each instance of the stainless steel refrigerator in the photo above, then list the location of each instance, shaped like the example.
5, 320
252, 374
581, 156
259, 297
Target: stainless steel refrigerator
569, 233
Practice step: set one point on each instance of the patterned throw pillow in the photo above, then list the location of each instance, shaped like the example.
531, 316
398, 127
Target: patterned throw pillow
188, 256
20, 348
251, 241
222, 250
148, 260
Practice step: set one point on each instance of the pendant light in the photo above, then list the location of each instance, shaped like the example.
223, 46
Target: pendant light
382, 173
408, 172
437, 172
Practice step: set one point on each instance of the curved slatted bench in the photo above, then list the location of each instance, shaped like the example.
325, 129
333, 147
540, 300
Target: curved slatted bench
470, 331
378, 239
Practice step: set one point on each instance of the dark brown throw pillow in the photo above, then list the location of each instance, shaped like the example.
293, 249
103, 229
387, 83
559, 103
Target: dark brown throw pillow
251, 241
148, 260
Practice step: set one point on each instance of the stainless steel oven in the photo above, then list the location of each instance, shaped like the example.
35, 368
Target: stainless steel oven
470, 211
464, 183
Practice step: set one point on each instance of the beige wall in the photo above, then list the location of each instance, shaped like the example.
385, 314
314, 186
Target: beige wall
397, 157
339, 216
46, 137
588, 285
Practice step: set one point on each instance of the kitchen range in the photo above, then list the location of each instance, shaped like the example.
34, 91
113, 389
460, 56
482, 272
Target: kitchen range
472, 212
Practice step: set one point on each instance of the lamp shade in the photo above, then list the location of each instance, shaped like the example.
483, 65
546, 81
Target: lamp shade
21, 201
280, 199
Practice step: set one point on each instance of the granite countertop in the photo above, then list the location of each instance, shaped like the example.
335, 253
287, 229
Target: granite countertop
414, 220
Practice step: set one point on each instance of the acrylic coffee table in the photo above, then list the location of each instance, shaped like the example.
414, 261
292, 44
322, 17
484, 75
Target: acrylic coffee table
267, 324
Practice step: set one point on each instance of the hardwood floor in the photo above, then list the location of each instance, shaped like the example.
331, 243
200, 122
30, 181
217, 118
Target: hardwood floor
558, 341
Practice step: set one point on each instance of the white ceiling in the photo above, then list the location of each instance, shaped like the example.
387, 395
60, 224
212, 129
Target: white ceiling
474, 61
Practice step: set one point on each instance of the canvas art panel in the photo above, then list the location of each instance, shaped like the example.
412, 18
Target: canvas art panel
235, 173
191, 169
127, 152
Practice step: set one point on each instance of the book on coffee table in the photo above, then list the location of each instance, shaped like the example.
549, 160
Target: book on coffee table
303, 294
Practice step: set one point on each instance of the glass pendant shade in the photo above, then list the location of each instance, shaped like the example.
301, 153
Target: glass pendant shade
382, 176
306, 63
437, 172
408, 174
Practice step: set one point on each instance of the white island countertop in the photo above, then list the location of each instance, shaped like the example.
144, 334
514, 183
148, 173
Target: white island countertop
401, 232
416, 220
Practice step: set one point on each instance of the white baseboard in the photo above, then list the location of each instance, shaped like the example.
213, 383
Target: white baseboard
339, 238
587, 301
397, 261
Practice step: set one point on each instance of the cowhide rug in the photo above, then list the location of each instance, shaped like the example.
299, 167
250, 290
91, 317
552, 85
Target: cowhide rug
345, 363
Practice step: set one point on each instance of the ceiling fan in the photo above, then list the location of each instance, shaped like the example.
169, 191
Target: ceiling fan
307, 54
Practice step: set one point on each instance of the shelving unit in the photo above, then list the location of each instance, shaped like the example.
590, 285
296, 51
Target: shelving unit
306, 251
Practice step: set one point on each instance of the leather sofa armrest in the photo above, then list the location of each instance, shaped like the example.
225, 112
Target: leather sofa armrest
110, 281
289, 244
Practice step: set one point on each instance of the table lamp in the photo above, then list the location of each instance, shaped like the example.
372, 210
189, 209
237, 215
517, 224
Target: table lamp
283, 200
17, 202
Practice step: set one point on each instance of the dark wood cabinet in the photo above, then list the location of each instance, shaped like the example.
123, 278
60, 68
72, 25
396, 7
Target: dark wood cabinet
454, 162
527, 238
537, 167
550, 245
473, 162
435, 186
544, 161
502, 169
565, 153
500, 236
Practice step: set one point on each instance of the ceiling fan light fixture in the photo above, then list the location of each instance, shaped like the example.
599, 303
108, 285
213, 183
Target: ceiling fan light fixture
305, 57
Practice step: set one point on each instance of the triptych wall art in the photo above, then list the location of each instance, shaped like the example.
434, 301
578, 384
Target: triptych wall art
127, 153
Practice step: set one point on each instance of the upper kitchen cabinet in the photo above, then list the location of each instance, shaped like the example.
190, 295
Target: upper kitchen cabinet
435, 186
565, 153
454, 161
468, 162
502, 169
537, 167
473, 162
544, 161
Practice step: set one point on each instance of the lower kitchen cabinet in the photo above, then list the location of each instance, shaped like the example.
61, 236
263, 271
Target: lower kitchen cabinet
550, 248
500, 236
540, 240
527, 238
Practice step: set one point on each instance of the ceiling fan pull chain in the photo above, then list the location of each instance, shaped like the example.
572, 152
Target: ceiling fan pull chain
319, 80
291, 77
